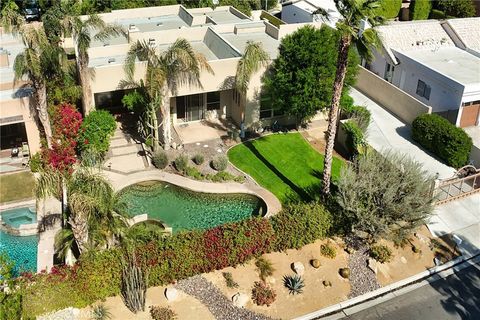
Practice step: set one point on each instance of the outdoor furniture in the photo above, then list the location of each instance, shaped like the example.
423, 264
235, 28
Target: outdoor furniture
25, 150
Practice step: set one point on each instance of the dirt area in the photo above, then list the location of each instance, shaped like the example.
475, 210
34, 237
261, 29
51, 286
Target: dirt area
186, 307
406, 262
316, 138
315, 295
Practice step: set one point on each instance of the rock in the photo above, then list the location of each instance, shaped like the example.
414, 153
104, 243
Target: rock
298, 267
415, 249
270, 280
345, 273
422, 238
174, 145
372, 264
403, 259
350, 250
240, 299
327, 283
315, 263
437, 261
171, 294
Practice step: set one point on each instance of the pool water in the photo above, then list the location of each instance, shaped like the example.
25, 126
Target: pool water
18, 216
21, 250
182, 209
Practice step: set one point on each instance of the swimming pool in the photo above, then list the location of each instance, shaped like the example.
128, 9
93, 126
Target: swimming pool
18, 216
21, 250
183, 209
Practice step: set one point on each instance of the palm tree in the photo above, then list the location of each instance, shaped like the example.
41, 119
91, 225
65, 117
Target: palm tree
81, 30
355, 13
179, 65
254, 57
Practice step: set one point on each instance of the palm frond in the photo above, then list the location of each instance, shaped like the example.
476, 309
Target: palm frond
64, 242
253, 59
48, 183
11, 20
110, 30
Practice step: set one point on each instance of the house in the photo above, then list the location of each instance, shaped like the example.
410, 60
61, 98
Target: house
17, 123
221, 35
435, 62
301, 11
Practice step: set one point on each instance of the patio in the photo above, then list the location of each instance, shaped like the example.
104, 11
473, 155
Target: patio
12, 164
205, 130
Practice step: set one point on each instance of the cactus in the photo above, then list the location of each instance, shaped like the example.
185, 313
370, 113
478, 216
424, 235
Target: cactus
134, 285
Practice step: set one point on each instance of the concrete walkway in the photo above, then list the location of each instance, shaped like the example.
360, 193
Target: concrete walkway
387, 132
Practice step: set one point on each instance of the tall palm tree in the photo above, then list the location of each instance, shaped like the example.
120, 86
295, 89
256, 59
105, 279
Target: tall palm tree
355, 13
81, 31
254, 58
166, 71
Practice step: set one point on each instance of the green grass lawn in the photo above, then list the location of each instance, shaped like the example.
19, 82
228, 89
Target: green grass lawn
285, 164
16, 186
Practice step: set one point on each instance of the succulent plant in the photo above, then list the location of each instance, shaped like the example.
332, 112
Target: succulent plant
294, 284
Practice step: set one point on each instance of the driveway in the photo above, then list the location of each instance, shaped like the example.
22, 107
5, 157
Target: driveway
460, 217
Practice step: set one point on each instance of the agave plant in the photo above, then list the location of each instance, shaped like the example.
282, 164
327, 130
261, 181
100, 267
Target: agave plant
294, 284
101, 312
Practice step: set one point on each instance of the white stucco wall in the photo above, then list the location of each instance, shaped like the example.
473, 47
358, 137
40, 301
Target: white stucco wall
296, 13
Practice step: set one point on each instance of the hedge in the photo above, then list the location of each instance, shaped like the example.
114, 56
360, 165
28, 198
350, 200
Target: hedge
389, 8
96, 130
438, 135
98, 274
420, 9
355, 137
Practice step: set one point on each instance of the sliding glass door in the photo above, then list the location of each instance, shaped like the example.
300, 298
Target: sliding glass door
191, 108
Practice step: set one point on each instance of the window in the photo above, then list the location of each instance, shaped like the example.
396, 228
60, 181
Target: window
389, 70
267, 110
213, 100
423, 90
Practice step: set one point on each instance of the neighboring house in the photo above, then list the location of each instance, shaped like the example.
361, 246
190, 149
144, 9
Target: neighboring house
427, 62
220, 35
301, 11
17, 125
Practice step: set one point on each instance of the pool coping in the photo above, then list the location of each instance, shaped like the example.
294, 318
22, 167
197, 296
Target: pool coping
272, 203
26, 229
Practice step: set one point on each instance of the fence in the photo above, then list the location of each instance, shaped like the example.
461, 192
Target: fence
465, 183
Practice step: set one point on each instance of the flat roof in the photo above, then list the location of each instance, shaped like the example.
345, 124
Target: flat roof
452, 62
224, 17
239, 41
104, 61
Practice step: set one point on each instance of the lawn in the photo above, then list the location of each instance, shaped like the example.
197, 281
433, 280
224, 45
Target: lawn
285, 164
16, 186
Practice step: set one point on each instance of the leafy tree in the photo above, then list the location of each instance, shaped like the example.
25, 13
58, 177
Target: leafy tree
355, 12
245, 6
179, 65
456, 8
301, 77
96, 131
386, 196
420, 9
389, 8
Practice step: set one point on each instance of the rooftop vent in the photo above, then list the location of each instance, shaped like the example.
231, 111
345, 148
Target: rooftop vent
132, 26
111, 60
106, 44
159, 24
151, 41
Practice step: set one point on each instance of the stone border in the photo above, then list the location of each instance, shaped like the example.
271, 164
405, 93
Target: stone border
16, 204
26, 229
388, 292
272, 203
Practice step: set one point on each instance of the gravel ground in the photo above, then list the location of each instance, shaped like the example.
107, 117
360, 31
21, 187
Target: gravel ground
362, 278
219, 305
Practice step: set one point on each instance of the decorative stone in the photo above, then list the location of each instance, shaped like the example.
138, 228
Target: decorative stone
403, 260
345, 273
171, 294
240, 299
174, 145
415, 249
315, 263
270, 280
437, 261
422, 238
327, 283
298, 268
372, 264
350, 250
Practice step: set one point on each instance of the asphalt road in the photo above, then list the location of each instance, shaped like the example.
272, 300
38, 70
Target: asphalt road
455, 297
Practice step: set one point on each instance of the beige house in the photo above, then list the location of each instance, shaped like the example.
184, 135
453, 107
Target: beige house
220, 35
17, 125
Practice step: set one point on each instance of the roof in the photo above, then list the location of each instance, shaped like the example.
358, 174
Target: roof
468, 31
452, 62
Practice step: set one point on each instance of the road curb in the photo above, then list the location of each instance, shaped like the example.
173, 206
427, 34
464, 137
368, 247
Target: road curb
393, 290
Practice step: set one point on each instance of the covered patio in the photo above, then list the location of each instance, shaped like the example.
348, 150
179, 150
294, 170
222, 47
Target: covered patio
205, 130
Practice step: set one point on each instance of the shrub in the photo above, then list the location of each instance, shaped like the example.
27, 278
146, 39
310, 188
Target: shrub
389, 8
438, 135
300, 224
36, 162
96, 130
162, 313
420, 9
361, 116
229, 280
457, 8
264, 267
198, 159
327, 250
100, 312
193, 172
294, 284
437, 14
355, 138
222, 176
160, 159
181, 163
263, 294
381, 253
220, 163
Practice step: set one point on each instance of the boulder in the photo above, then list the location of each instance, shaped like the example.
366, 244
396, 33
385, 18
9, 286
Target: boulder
298, 268
270, 280
315, 263
240, 299
372, 264
345, 273
174, 145
350, 250
171, 294
404, 260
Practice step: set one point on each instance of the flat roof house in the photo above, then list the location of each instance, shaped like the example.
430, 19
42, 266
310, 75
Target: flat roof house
436, 62
220, 35
299, 11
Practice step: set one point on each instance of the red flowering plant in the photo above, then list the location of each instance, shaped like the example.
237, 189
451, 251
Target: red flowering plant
66, 123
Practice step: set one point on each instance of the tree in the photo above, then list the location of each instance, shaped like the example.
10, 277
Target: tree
301, 77
177, 66
354, 13
456, 8
81, 33
254, 58
389, 8
420, 9
385, 196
